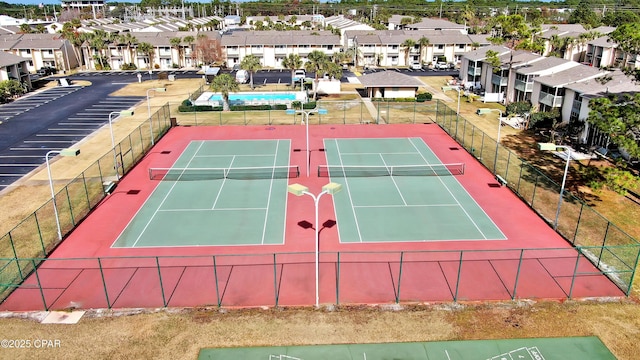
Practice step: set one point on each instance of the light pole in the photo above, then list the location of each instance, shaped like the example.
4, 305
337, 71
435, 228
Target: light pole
305, 114
63, 152
482, 111
113, 141
299, 190
554, 147
149, 109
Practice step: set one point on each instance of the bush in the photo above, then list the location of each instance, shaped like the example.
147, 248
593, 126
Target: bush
309, 105
544, 119
163, 75
394, 99
129, 66
422, 97
518, 108
279, 107
249, 107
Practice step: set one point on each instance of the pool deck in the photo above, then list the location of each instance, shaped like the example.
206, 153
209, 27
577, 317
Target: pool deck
205, 98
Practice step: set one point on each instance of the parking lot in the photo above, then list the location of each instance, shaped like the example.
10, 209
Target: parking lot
54, 119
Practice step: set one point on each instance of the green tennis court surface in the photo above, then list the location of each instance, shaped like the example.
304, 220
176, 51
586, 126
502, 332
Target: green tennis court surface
396, 189
572, 348
239, 198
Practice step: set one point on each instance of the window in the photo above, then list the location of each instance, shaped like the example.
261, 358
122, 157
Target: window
461, 46
440, 46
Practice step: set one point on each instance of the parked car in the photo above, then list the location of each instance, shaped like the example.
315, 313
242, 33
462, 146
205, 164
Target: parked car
46, 71
299, 74
415, 66
441, 65
242, 76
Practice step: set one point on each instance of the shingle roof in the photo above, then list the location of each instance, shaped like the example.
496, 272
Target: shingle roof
389, 79
613, 83
568, 76
7, 59
544, 64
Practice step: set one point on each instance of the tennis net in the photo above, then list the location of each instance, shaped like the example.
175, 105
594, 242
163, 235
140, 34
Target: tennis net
396, 170
237, 173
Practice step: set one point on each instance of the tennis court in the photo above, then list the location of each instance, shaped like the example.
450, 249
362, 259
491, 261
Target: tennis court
216, 193
397, 189
570, 348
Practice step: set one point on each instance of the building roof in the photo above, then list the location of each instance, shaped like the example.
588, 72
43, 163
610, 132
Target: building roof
603, 41
481, 53
389, 79
518, 58
7, 59
571, 75
436, 24
613, 83
543, 65
269, 37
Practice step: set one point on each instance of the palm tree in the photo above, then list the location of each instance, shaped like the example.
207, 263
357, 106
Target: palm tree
317, 63
424, 44
225, 84
251, 63
407, 45
148, 50
189, 40
128, 40
175, 43
292, 62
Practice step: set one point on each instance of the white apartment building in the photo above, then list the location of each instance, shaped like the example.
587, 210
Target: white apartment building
271, 47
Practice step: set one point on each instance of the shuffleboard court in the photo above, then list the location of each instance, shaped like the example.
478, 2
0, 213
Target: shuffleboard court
396, 189
571, 348
216, 193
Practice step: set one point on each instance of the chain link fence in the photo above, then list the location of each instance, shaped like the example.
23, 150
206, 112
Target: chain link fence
611, 250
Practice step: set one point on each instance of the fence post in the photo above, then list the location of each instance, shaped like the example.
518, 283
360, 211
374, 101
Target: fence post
604, 241
215, 276
344, 112
15, 255
86, 190
35, 271
575, 233
515, 284
399, 277
164, 301
414, 111
35, 217
104, 284
575, 270
455, 296
338, 280
275, 278
73, 221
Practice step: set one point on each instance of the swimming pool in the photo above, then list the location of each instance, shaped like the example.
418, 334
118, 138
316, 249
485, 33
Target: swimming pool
253, 98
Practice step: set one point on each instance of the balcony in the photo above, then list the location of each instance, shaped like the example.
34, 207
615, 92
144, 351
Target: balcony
367, 50
523, 86
474, 71
550, 100
280, 51
391, 50
499, 80
233, 51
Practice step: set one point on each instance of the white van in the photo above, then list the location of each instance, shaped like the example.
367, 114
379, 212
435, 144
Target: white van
242, 76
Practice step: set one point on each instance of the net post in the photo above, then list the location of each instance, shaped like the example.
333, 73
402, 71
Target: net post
15, 255
575, 271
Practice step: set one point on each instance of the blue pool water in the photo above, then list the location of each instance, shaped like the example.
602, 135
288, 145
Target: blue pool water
248, 97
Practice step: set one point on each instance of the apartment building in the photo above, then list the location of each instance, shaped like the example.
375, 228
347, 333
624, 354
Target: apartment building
271, 47
14, 67
40, 50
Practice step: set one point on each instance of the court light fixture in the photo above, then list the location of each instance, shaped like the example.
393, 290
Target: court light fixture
123, 113
63, 152
567, 149
299, 190
305, 115
483, 111
160, 89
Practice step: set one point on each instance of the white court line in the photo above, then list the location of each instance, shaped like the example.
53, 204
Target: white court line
449, 190
394, 180
346, 185
221, 185
163, 200
402, 206
249, 155
48, 141
385, 153
221, 209
266, 213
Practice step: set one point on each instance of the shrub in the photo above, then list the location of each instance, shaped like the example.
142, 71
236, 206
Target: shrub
518, 108
129, 66
309, 105
422, 97
163, 76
